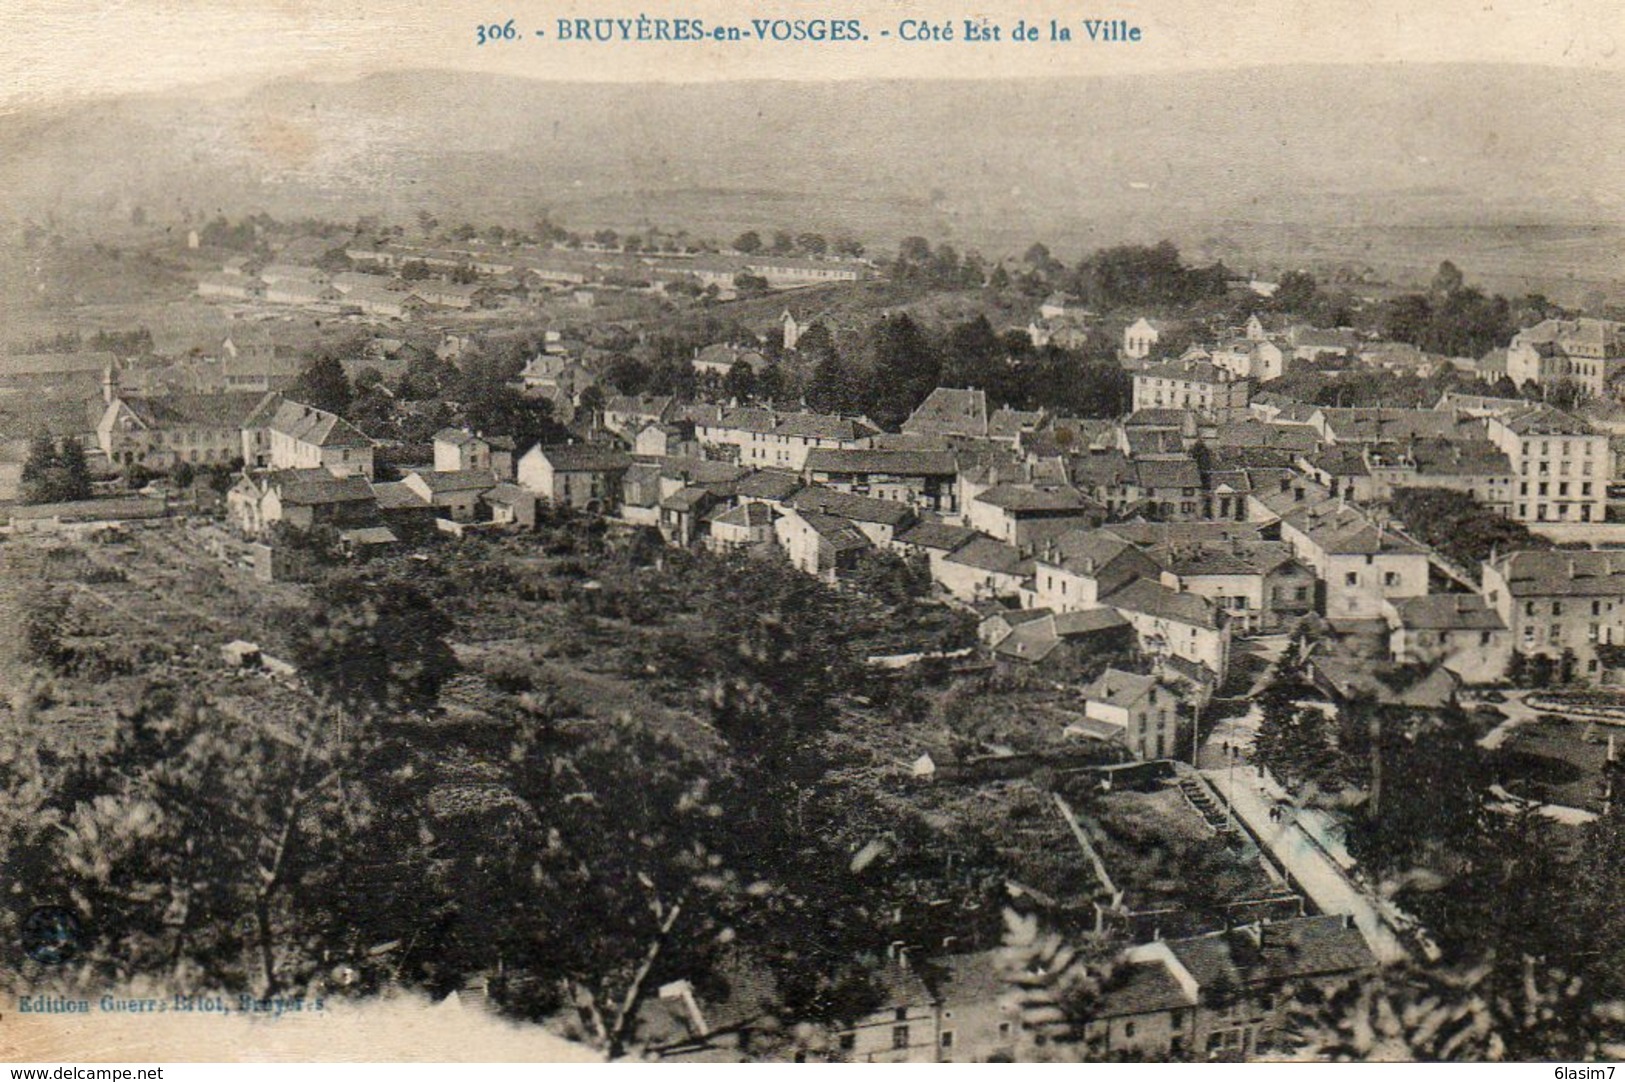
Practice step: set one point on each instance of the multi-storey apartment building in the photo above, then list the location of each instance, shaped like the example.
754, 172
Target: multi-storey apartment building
1192, 385
1561, 466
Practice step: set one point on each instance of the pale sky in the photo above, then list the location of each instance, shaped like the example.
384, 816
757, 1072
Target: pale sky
50, 50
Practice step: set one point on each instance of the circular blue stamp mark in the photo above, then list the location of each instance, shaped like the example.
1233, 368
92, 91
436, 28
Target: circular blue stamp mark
52, 934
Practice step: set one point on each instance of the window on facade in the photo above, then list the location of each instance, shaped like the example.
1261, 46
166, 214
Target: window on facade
1128, 1029
848, 1041
1390, 578
947, 1038
1557, 608
899, 1036
1351, 579
1004, 1030
901, 1014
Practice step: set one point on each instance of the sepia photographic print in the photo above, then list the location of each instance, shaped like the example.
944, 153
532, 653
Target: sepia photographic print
904, 533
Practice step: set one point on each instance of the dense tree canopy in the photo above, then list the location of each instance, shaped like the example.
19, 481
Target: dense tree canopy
1460, 527
55, 471
323, 383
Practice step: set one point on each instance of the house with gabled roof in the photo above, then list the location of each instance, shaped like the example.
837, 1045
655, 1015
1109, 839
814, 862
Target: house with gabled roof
1562, 601
510, 505
454, 494
1025, 515
1461, 632
1170, 488
557, 378
1141, 711
287, 435
903, 1027
793, 436
1223, 995
730, 428
1107, 477
161, 432
1192, 385
977, 1020
880, 520
627, 414
1054, 642
743, 526
924, 480
403, 508
983, 569
456, 295
303, 498
1006, 425
768, 486
1389, 425
1176, 625
641, 492
1361, 562
1140, 338
458, 449
719, 359
820, 545
42, 374
950, 411
1260, 585
936, 541
1249, 358
1078, 570
586, 476
1312, 343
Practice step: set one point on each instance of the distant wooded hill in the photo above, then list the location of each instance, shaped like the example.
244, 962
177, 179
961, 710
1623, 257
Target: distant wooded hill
1077, 163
